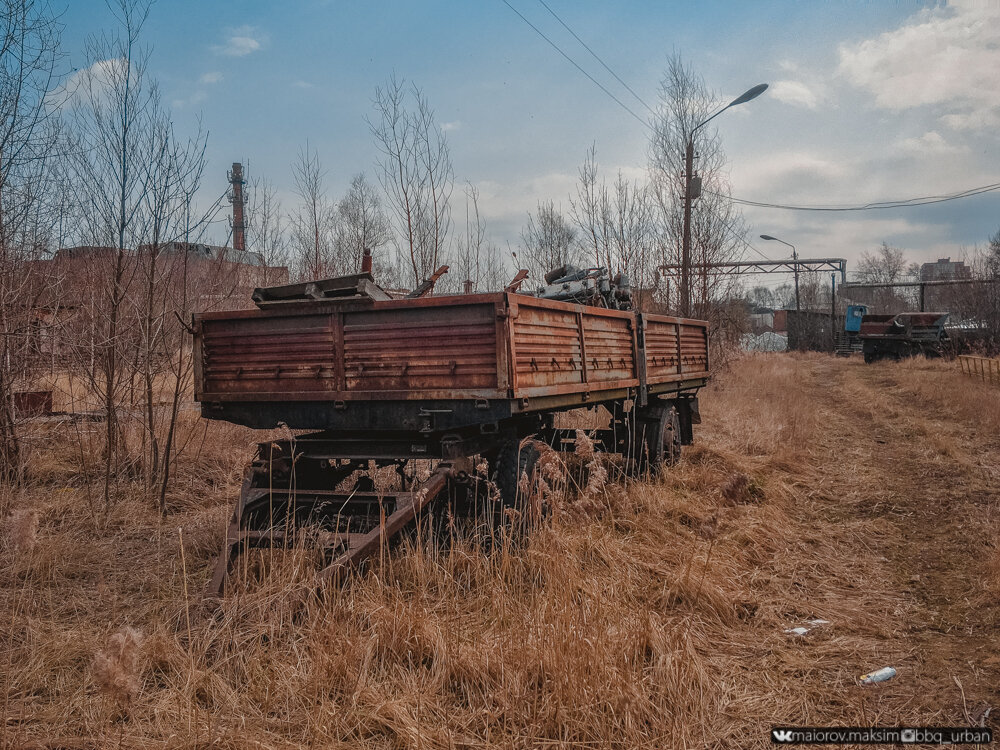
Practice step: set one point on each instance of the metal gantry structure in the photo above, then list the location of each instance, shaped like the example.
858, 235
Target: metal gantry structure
738, 268
847, 288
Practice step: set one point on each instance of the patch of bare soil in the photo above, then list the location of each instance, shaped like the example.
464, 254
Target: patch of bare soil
929, 470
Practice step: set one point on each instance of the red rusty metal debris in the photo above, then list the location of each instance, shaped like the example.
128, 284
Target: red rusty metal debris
32, 404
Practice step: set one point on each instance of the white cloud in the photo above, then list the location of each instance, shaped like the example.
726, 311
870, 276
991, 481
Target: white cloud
210, 78
447, 127
303, 85
93, 81
512, 200
795, 93
240, 41
787, 176
847, 235
945, 57
976, 120
930, 143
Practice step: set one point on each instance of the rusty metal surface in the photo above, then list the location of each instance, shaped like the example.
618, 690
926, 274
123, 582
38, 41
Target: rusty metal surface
291, 488
479, 346
268, 354
899, 323
428, 286
421, 349
547, 347
693, 348
32, 404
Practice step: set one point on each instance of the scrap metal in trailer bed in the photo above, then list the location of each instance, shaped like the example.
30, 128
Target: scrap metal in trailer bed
440, 378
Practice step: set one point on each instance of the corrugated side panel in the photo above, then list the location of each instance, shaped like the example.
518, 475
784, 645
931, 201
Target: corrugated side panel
266, 355
694, 349
447, 348
609, 345
661, 350
546, 347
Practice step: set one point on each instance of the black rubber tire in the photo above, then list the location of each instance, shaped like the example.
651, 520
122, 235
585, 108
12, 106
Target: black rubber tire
671, 437
656, 443
509, 463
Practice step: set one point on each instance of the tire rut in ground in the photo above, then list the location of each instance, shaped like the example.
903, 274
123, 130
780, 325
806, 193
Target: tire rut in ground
936, 546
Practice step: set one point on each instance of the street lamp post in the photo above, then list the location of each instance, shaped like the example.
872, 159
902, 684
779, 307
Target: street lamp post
692, 191
795, 265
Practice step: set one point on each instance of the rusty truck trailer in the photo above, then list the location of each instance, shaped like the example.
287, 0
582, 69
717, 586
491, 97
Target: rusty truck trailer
441, 378
435, 363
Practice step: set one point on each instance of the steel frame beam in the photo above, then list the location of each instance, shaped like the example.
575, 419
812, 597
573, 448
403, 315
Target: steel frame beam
738, 268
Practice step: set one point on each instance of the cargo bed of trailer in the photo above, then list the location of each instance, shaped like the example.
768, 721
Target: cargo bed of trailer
435, 362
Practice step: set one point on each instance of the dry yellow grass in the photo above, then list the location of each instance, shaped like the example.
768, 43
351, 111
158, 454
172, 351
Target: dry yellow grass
819, 488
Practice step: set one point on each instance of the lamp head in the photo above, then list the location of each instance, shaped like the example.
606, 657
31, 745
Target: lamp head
749, 94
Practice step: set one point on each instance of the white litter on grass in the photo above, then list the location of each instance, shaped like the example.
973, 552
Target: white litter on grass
800, 630
797, 631
879, 675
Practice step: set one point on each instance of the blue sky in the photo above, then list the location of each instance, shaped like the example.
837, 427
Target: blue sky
868, 100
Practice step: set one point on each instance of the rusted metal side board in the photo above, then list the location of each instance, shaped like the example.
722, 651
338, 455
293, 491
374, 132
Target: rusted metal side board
492, 347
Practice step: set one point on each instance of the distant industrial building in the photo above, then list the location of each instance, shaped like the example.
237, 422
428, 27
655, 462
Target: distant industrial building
945, 269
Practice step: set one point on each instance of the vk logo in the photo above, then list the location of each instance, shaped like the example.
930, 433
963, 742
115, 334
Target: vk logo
781, 735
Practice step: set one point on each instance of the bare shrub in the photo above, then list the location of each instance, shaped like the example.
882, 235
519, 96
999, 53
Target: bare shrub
22, 531
116, 666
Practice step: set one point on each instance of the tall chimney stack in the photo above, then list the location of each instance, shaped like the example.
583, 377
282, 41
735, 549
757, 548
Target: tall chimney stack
239, 226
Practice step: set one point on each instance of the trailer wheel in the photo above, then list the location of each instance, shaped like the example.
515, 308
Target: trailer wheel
513, 470
654, 441
672, 437
647, 439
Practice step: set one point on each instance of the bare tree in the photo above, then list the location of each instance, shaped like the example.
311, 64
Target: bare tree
29, 56
314, 225
477, 263
762, 296
547, 241
176, 167
717, 228
617, 227
991, 263
266, 234
884, 265
588, 209
416, 174
136, 179
363, 226
112, 111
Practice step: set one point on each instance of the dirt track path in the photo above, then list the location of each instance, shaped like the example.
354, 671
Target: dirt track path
925, 486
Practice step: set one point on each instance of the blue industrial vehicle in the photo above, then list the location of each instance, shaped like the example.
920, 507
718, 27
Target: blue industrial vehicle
849, 340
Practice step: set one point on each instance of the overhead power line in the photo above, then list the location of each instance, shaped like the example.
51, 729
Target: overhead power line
875, 206
596, 57
576, 65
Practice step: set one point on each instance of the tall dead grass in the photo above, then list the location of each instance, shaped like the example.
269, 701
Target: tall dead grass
651, 616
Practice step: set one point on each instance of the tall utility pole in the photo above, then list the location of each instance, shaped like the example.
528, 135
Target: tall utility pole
795, 264
692, 189
236, 197
833, 309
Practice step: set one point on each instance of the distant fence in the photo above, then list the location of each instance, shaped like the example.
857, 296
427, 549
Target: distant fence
984, 368
812, 331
